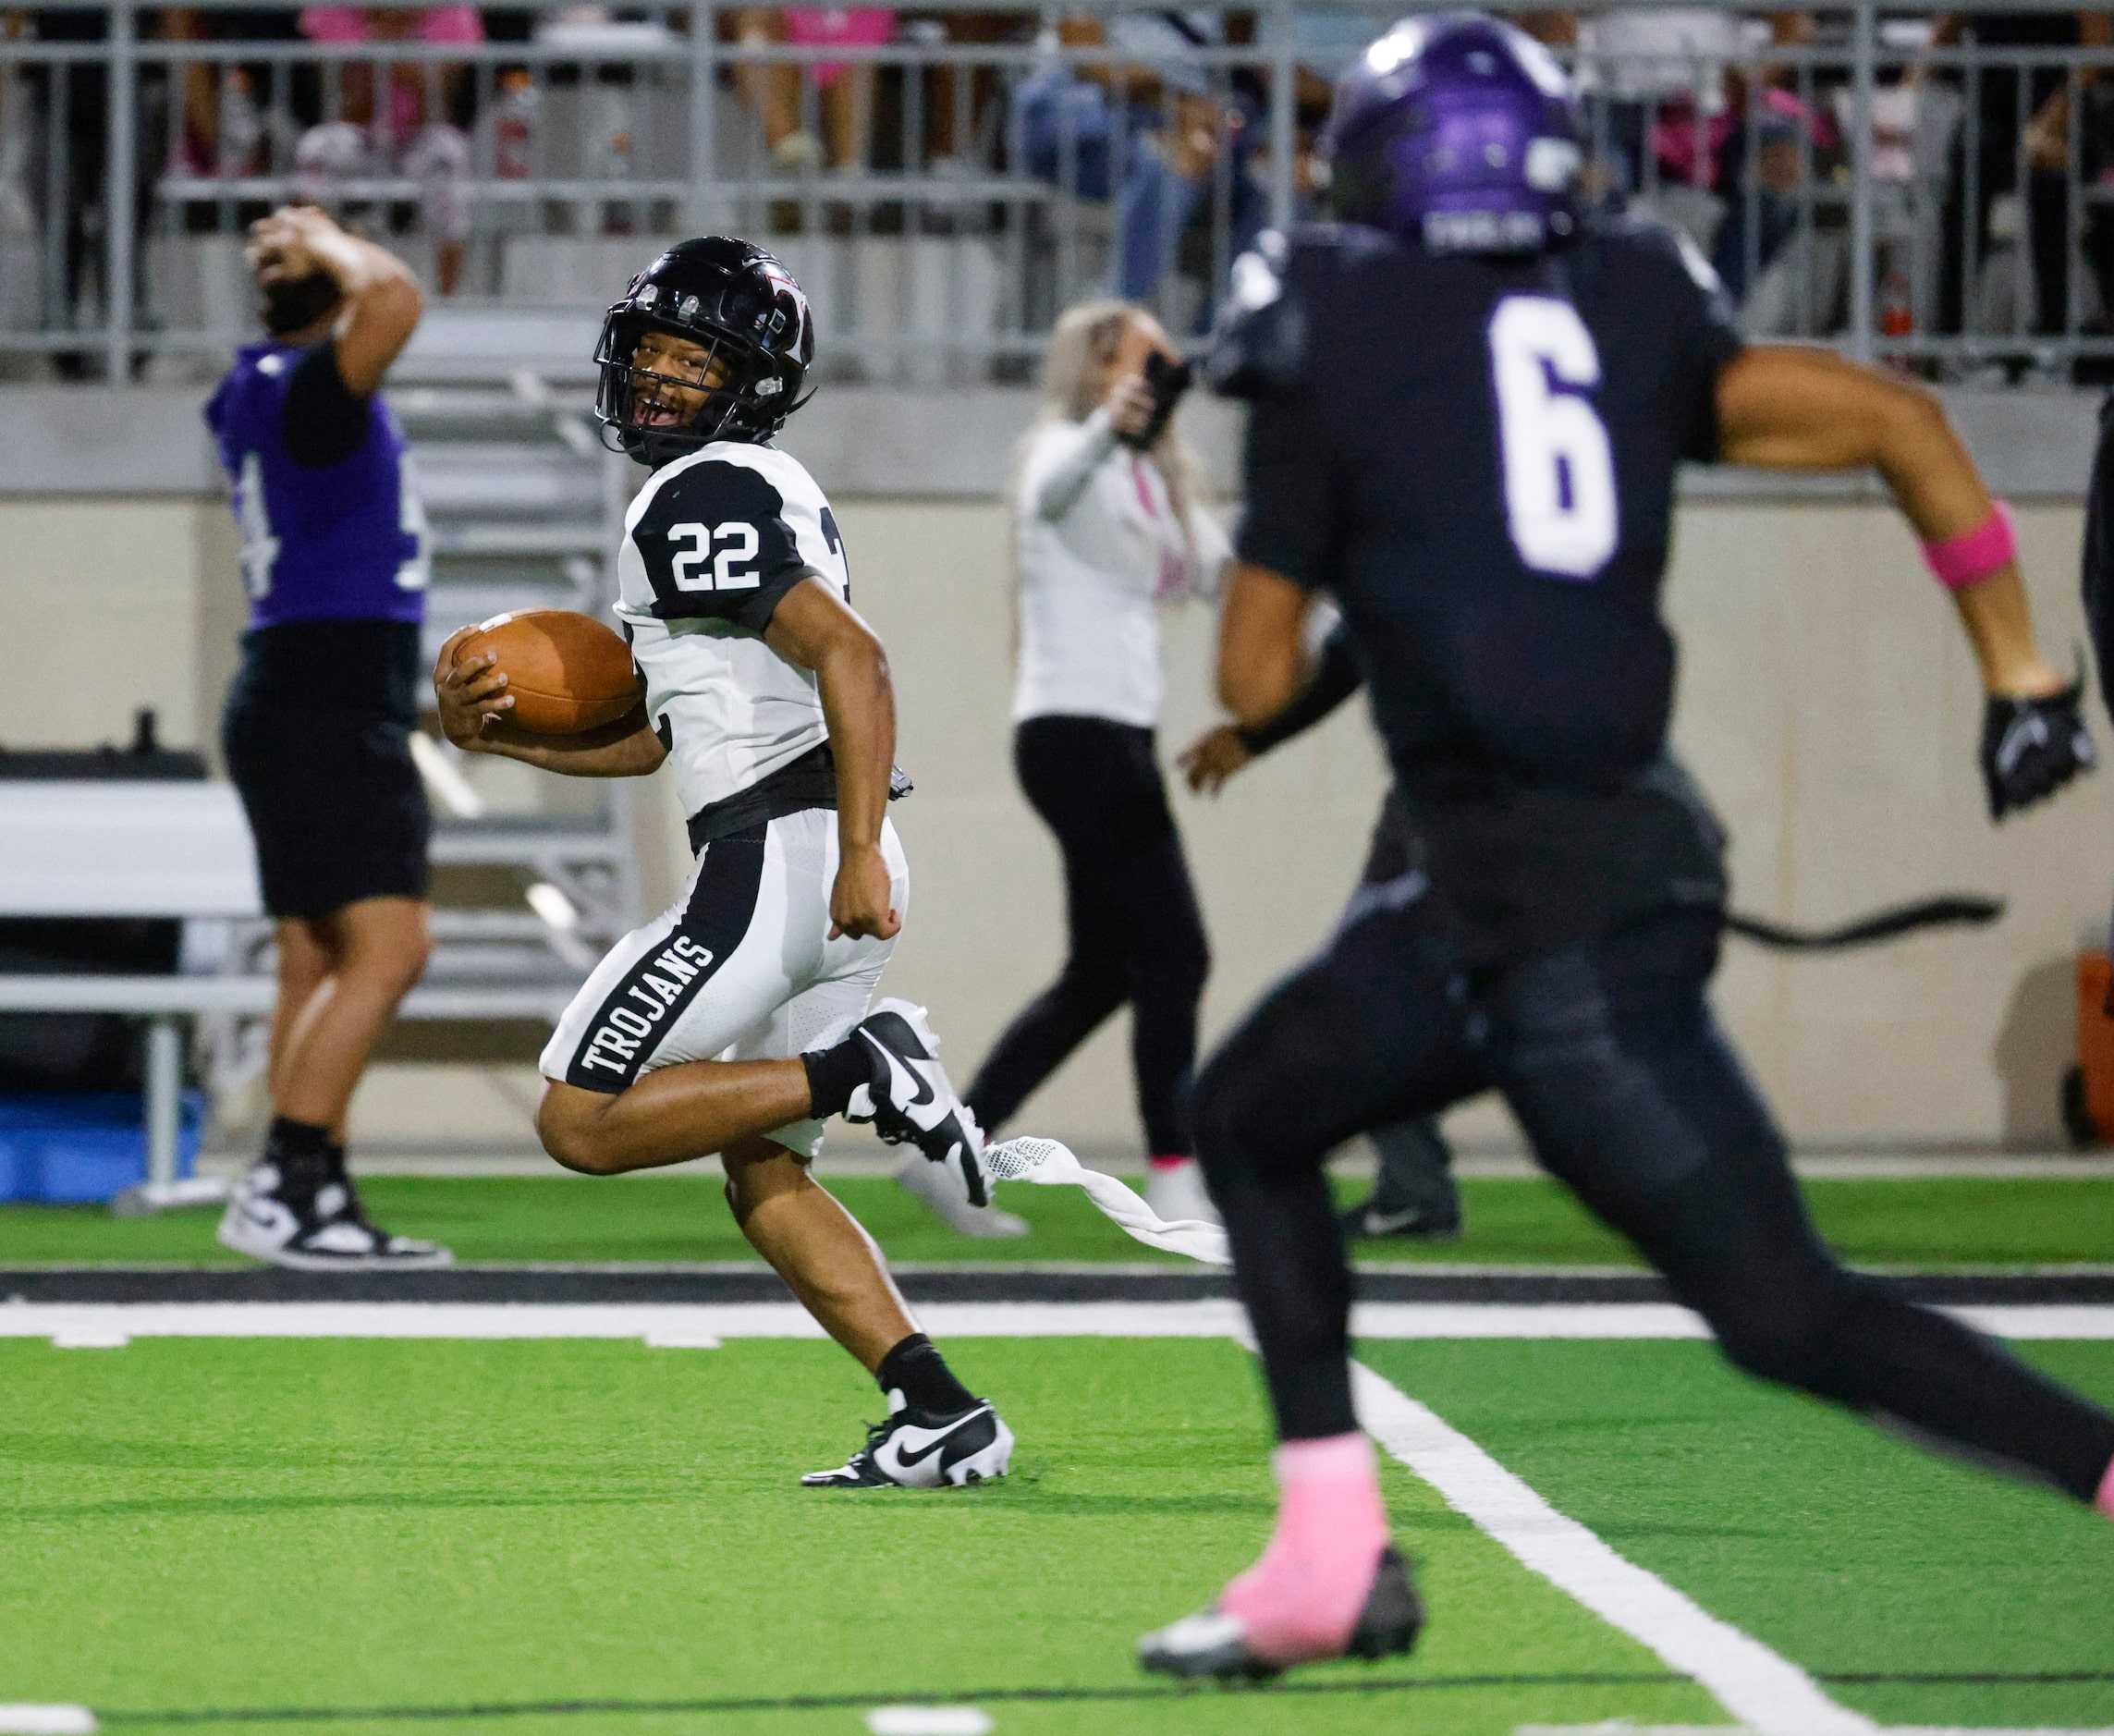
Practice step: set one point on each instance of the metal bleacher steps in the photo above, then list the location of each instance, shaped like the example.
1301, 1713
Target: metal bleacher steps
524, 507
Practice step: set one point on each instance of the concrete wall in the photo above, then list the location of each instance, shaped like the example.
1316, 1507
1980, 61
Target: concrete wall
1827, 706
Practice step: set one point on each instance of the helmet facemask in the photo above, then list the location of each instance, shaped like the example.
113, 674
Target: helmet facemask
673, 405
739, 321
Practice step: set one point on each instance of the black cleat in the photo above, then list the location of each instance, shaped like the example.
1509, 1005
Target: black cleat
1370, 1222
908, 1098
916, 1449
1211, 1644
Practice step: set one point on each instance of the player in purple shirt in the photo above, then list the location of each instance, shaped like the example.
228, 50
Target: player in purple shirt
318, 724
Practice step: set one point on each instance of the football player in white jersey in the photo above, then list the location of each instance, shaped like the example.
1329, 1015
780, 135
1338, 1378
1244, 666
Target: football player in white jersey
738, 1021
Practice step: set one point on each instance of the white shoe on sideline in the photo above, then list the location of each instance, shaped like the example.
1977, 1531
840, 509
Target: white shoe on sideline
941, 1187
1176, 1192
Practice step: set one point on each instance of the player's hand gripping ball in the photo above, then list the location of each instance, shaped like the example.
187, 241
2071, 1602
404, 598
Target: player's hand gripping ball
565, 673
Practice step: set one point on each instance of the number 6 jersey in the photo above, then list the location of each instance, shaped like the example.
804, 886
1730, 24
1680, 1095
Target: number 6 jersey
1477, 455
712, 545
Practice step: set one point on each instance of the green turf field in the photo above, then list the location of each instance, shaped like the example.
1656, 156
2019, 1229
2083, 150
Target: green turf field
1924, 1223
344, 1526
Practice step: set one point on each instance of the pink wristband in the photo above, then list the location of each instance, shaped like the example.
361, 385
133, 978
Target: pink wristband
1972, 555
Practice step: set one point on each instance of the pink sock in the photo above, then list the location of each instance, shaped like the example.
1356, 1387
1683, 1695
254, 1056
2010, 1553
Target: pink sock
1169, 1163
2104, 1500
1302, 1598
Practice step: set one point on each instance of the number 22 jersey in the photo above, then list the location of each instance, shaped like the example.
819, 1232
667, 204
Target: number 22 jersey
1477, 455
712, 545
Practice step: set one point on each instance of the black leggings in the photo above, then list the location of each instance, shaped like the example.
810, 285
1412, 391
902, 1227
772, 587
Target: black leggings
1131, 912
1608, 1056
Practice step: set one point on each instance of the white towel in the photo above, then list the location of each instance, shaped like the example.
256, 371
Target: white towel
1049, 1163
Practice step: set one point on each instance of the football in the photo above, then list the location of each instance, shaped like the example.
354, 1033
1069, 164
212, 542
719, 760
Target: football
567, 671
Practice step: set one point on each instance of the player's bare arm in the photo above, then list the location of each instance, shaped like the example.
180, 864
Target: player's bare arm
471, 697
1788, 407
380, 305
1334, 675
816, 630
1785, 408
1262, 662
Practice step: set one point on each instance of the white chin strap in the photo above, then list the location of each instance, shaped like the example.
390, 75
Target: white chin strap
1049, 1163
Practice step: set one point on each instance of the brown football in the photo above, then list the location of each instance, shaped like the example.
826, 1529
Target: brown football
567, 671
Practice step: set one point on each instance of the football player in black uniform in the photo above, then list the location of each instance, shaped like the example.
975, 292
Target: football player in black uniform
1470, 402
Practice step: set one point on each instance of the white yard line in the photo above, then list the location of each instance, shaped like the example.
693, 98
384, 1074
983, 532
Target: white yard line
1768, 1693
93, 1326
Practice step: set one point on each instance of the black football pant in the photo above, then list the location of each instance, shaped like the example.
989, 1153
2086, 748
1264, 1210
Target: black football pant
1135, 932
1610, 1059
1416, 1165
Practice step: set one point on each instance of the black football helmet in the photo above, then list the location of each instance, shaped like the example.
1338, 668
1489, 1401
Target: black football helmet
744, 308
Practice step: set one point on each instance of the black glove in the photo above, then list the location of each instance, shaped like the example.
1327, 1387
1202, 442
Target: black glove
2031, 748
1167, 381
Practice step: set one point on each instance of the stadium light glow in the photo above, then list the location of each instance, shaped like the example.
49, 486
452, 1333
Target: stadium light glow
550, 903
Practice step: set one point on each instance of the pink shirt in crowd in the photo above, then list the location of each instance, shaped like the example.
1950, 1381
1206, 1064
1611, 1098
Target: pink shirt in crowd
429, 24
354, 24
854, 27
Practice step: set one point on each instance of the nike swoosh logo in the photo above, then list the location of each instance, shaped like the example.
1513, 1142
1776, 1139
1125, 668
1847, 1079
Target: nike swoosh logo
906, 1458
915, 1075
1388, 1223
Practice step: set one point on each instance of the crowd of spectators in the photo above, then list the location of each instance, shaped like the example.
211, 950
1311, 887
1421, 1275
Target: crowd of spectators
1719, 122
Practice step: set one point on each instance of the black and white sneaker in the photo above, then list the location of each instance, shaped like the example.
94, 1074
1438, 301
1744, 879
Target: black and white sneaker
307, 1217
917, 1450
1374, 1222
908, 1098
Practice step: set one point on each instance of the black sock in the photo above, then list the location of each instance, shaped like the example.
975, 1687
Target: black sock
832, 1075
917, 1370
303, 1154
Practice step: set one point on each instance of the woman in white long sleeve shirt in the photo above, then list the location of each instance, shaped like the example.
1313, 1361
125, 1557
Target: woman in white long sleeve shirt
1106, 533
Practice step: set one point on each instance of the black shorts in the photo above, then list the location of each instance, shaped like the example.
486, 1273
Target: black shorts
317, 738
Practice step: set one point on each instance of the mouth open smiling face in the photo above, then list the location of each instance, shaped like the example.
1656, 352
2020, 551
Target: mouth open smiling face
671, 379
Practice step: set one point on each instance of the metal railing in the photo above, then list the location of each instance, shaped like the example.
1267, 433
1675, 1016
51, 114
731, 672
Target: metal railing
943, 193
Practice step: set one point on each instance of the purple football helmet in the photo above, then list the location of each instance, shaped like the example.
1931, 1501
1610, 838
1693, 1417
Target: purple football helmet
1458, 131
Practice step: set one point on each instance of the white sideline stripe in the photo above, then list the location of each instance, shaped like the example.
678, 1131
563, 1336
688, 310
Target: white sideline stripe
928, 1721
2051, 1320
672, 1325
1769, 1693
22, 1719
1532, 1320
106, 1326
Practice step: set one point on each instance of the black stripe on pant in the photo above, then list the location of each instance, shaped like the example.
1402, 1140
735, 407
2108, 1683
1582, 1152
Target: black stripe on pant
650, 998
1135, 932
1607, 1054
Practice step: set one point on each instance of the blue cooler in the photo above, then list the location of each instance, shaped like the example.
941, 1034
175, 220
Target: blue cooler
73, 1149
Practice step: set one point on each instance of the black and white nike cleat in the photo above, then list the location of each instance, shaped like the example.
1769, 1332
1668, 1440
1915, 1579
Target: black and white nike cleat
1374, 1222
908, 1098
307, 1216
1214, 1644
916, 1449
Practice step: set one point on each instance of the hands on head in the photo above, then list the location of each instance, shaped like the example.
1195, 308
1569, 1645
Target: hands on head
292, 242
